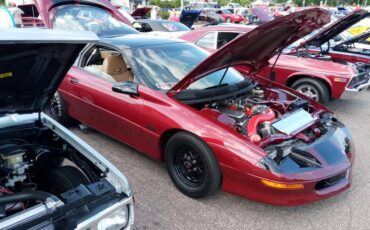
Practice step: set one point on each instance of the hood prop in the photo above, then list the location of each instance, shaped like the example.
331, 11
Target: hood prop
272, 72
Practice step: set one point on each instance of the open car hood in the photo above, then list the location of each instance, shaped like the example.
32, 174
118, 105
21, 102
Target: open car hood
355, 39
335, 28
254, 49
32, 65
45, 7
141, 12
188, 17
29, 10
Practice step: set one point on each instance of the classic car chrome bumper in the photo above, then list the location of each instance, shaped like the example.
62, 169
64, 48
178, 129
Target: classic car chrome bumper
359, 88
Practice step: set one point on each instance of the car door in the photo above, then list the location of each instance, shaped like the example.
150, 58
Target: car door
91, 100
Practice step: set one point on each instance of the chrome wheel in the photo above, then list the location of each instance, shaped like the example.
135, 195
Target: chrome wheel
309, 91
55, 107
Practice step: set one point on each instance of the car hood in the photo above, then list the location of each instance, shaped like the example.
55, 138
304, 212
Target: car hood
335, 28
32, 65
254, 49
140, 12
45, 6
188, 17
355, 39
29, 10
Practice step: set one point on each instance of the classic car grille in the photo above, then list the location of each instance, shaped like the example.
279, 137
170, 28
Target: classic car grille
330, 181
360, 79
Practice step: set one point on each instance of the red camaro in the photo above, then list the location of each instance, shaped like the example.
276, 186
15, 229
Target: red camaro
212, 124
319, 78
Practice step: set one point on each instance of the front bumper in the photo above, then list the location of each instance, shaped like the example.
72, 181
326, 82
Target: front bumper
250, 186
356, 86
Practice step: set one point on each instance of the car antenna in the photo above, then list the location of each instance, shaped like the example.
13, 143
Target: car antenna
272, 72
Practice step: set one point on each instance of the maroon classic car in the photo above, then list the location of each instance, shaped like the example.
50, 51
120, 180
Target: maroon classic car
317, 78
213, 120
334, 43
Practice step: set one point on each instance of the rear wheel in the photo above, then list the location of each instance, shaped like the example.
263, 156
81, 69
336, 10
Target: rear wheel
192, 165
58, 110
314, 89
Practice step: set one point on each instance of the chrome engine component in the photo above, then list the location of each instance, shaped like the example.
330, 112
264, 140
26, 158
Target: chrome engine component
13, 164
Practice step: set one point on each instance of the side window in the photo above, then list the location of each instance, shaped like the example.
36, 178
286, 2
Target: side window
225, 37
108, 65
207, 41
145, 27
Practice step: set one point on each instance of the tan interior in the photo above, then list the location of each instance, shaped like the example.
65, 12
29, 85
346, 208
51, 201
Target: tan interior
116, 67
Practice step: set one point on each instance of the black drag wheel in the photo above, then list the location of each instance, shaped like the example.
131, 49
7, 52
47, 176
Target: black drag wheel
192, 166
312, 88
58, 110
65, 178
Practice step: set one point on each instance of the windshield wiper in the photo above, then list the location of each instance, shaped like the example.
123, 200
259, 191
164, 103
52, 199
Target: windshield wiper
217, 86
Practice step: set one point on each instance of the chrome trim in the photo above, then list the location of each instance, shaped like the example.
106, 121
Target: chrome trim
359, 88
92, 222
50, 205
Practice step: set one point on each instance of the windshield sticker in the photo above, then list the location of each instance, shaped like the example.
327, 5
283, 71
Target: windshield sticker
5, 75
165, 85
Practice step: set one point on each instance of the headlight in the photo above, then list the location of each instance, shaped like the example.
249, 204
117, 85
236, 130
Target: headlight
116, 220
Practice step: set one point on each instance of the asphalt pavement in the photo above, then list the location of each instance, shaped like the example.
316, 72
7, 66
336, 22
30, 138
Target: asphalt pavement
159, 205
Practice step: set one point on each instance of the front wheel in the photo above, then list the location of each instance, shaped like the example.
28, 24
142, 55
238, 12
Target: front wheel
57, 109
228, 20
192, 166
314, 89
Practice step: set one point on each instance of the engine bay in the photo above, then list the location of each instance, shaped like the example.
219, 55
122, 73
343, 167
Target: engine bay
36, 164
274, 120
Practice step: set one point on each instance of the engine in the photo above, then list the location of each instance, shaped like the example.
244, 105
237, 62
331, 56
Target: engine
266, 114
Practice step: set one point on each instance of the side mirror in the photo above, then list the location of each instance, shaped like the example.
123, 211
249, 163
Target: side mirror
126, 87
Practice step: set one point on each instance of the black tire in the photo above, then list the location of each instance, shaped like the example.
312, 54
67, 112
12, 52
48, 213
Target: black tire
65, 178
206, 178
322, 91
57, 109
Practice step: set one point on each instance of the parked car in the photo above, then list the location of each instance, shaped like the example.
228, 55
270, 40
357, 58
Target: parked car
322, 44
318, 78
50, 178
212, 38
208, 17
99, 16
30, 16
160, 27
207, 121
230, 17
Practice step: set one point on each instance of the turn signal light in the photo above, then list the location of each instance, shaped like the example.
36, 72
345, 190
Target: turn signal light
281, 185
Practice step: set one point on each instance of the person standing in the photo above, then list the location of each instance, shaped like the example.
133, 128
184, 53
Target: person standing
17, 14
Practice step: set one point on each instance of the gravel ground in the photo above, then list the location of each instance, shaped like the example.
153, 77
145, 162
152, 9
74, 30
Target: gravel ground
160, 206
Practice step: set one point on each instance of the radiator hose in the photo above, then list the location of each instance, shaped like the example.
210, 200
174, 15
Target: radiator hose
24, 196
253, 123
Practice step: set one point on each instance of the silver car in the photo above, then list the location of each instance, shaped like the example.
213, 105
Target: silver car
50, 178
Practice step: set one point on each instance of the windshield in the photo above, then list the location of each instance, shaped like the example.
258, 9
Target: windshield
89, 18
174, 27
162, 66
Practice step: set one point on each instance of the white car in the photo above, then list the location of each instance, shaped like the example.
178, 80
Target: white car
50, 178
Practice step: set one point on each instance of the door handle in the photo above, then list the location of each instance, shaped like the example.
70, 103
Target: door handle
74, 81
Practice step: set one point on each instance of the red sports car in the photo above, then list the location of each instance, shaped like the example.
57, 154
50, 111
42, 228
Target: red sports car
212, 120
319, 78
230, 17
